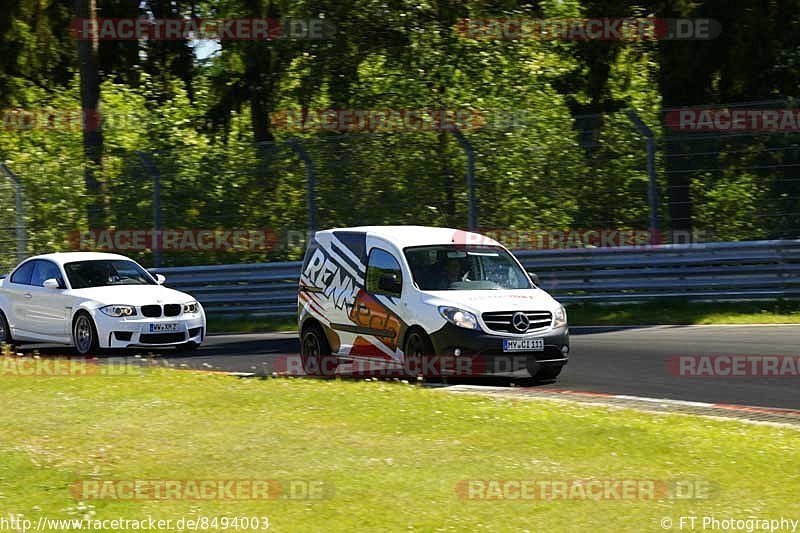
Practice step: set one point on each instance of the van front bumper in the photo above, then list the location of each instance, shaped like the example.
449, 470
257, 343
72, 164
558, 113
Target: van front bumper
484, 353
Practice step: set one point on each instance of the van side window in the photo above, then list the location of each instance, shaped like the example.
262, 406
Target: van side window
383, 274
23, 274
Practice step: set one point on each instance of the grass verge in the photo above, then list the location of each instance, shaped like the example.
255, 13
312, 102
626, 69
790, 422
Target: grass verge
683, 312
392, 455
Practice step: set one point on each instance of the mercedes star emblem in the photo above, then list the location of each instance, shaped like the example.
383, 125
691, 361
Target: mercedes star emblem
520, 322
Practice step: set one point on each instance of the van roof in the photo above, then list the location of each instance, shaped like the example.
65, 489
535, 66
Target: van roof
404, 236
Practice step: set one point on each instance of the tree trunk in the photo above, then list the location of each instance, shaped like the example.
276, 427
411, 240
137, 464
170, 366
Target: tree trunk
90, 105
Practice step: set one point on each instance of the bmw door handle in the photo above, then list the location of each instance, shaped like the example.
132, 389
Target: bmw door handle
28, 295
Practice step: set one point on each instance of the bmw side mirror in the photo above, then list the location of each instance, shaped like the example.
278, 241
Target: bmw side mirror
51, 283
534, 279
160, 279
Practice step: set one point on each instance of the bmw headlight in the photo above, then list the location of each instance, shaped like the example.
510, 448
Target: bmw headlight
459, 317
119, 310
560, 317
191, 307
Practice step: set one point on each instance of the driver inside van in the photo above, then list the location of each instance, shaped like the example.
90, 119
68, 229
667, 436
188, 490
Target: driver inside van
454, 273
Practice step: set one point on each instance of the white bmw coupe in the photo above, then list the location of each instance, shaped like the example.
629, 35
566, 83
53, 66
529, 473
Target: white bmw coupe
96, 300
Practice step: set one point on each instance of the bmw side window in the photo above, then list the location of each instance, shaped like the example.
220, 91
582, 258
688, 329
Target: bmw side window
383, 274
45, 270
23, 274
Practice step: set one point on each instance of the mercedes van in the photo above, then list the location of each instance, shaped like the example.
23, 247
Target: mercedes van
389, 294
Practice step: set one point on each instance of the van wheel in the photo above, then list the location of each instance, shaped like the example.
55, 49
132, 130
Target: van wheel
5, 330
84, 334
418, 346
315, 352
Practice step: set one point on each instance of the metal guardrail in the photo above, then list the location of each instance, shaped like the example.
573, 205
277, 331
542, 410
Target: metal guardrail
716, 271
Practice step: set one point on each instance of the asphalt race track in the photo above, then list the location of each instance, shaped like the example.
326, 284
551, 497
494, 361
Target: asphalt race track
610, 360
631, 361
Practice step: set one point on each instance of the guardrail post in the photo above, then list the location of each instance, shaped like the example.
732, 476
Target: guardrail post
311, 186
473, 208
652, 189
156, 175
18, 212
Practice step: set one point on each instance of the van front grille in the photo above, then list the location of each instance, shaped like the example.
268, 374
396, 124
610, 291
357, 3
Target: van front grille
501, 321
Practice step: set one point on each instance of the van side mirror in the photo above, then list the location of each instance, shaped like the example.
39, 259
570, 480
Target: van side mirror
160, 279
51, 283
390, 283
534, 278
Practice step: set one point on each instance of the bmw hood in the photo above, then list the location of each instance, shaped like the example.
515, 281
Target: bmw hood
137, 295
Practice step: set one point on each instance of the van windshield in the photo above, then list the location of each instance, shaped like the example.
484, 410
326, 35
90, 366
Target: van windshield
453, 268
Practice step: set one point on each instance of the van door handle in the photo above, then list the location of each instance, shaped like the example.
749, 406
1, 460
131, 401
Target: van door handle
28, 295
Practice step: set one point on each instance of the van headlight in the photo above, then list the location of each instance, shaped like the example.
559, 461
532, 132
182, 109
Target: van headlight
459, 317
191, 307
119, 310
560, 317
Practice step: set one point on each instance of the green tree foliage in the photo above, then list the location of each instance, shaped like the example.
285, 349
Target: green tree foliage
553, 150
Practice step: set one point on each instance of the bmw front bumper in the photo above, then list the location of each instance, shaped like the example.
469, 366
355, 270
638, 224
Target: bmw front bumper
149, 332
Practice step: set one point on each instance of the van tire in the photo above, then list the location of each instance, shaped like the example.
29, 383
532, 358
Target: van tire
417, 345
315, 352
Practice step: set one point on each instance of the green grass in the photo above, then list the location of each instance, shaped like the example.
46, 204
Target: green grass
682, 312
392, 453
659, 312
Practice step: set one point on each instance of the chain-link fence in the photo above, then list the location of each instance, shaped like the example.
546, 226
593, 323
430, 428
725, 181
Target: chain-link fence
229, 202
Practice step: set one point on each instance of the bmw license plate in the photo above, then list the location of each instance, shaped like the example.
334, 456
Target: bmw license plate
523, 345
163, 327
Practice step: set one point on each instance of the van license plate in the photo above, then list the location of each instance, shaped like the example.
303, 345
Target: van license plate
164, 327
523, 345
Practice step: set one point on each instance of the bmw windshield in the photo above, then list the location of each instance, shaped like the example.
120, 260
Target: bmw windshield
106, 272
452, 267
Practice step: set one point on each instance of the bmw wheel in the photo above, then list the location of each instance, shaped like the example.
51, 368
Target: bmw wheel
84, 334
5, 330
